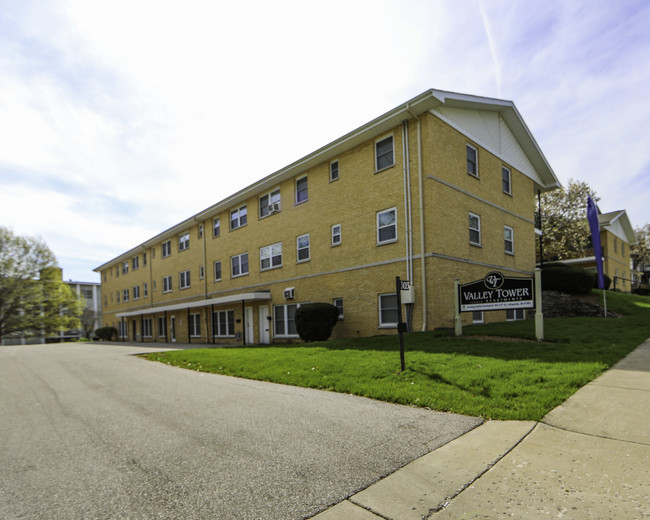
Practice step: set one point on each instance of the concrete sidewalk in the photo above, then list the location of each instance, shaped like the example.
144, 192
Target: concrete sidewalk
587, 459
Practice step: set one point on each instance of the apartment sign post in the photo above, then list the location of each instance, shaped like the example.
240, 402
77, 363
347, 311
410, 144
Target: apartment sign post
401, 285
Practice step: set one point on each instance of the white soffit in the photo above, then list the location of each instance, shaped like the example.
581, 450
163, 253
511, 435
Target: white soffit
489, 129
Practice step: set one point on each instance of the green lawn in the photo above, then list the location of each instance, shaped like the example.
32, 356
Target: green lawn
492, 378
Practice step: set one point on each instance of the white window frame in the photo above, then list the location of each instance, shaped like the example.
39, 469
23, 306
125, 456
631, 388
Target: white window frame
194, 325
167, 284
217, 270
125, 267
146, 328
380, 228
200, 231
135, 261
162, 327
510, 242
183, 241
238, 217
229, 324
125, 295
382, 323
300, 191
380, 157
286, 322
216, 227
184, 280
478, 317
166, 248
240, 264
475, 229
506, 172
334, 170
338, 303
474, 162
136, 292
336, 235
201, 272
300, 248
265, 201
145, 290
271, 256
515, 314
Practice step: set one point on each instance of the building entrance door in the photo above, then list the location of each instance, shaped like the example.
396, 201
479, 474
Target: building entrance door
250, 326
173, 328
265, 325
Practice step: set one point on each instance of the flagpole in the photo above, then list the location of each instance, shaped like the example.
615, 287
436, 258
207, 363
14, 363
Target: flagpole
605, 301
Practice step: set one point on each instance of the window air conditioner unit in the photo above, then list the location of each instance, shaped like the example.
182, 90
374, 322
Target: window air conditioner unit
274, 208
289, 293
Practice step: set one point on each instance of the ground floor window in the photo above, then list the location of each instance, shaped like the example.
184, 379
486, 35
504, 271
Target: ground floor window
477, 317
146, 328
285, 320
195, 325
223, 323
388, 310
162, 328
515, 314
121, 329
338, 303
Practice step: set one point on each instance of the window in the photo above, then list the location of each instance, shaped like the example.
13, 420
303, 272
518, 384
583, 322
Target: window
384, 157
285, 320
121, 328
238, 217
144, 259
336, 234
195, 325
125, 267
201, 272
146, 327
509, 239
135, 262
334, 170
117, 271
477, 317
184, 241
185, 279
505, 180
216, 227
223, 323
302, 245
153, 252
167, 284
270, 203
301, 190
217, 271
615, 245
117, 296
145, 290
623, 248
474, 229
239, 265
154, 286
162, 328
136, 292
125, 295
338, 303
200, 230
271, 256
388, 310
515, 314
387, 226
472, 160
166, 248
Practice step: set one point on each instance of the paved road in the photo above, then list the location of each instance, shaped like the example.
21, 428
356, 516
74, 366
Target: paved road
93, 432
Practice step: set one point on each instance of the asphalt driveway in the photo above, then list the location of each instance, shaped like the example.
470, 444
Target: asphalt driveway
92, 431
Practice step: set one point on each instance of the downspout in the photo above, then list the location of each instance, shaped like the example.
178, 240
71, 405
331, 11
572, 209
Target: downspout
422, 245
407, 195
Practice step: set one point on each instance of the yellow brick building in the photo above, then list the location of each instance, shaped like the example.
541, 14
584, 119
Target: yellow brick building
441, 187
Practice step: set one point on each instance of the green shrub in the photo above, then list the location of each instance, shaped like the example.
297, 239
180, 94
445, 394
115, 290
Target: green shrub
106, 333
567, 278
314, 321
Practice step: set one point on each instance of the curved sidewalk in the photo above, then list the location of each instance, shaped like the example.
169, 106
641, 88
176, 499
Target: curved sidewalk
587, 459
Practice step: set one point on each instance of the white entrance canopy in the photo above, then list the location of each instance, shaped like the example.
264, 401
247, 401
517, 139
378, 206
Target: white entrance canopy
245, 297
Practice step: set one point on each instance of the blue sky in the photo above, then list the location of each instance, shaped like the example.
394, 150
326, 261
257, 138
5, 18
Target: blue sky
119, 119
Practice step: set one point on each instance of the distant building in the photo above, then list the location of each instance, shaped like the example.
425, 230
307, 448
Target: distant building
441, 187
91, 293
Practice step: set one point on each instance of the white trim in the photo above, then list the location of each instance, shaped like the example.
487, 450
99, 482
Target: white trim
390, 136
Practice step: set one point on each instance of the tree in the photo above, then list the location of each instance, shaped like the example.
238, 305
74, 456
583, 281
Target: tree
640, 252
88, 321
34, 301
565, 230
315, 321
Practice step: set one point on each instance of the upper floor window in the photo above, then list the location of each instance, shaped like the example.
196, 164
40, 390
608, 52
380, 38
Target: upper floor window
474, 229
200, 230
136, 292
238, 217
509, 239
387, 226
184, 279
145, 290
239, 265
184, 241
334, 170
506, 180
336, 234
166, 248
216, 227
144, 258
384, 153
125, 267
135, 262
302, 245
270, 203
167, 284
301, 190
472, 160
125, 297
217, 270
615, 245
271, 256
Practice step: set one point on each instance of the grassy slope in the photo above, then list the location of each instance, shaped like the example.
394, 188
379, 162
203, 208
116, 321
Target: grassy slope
489, 378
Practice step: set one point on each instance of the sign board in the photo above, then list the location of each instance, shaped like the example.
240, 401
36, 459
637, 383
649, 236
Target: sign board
496, 292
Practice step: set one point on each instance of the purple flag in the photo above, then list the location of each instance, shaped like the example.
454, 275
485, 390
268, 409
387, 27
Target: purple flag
592, 218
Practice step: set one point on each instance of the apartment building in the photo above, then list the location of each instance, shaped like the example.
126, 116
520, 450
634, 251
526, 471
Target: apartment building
441, 187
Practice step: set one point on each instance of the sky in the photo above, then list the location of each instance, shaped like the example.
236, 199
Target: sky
120, 119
